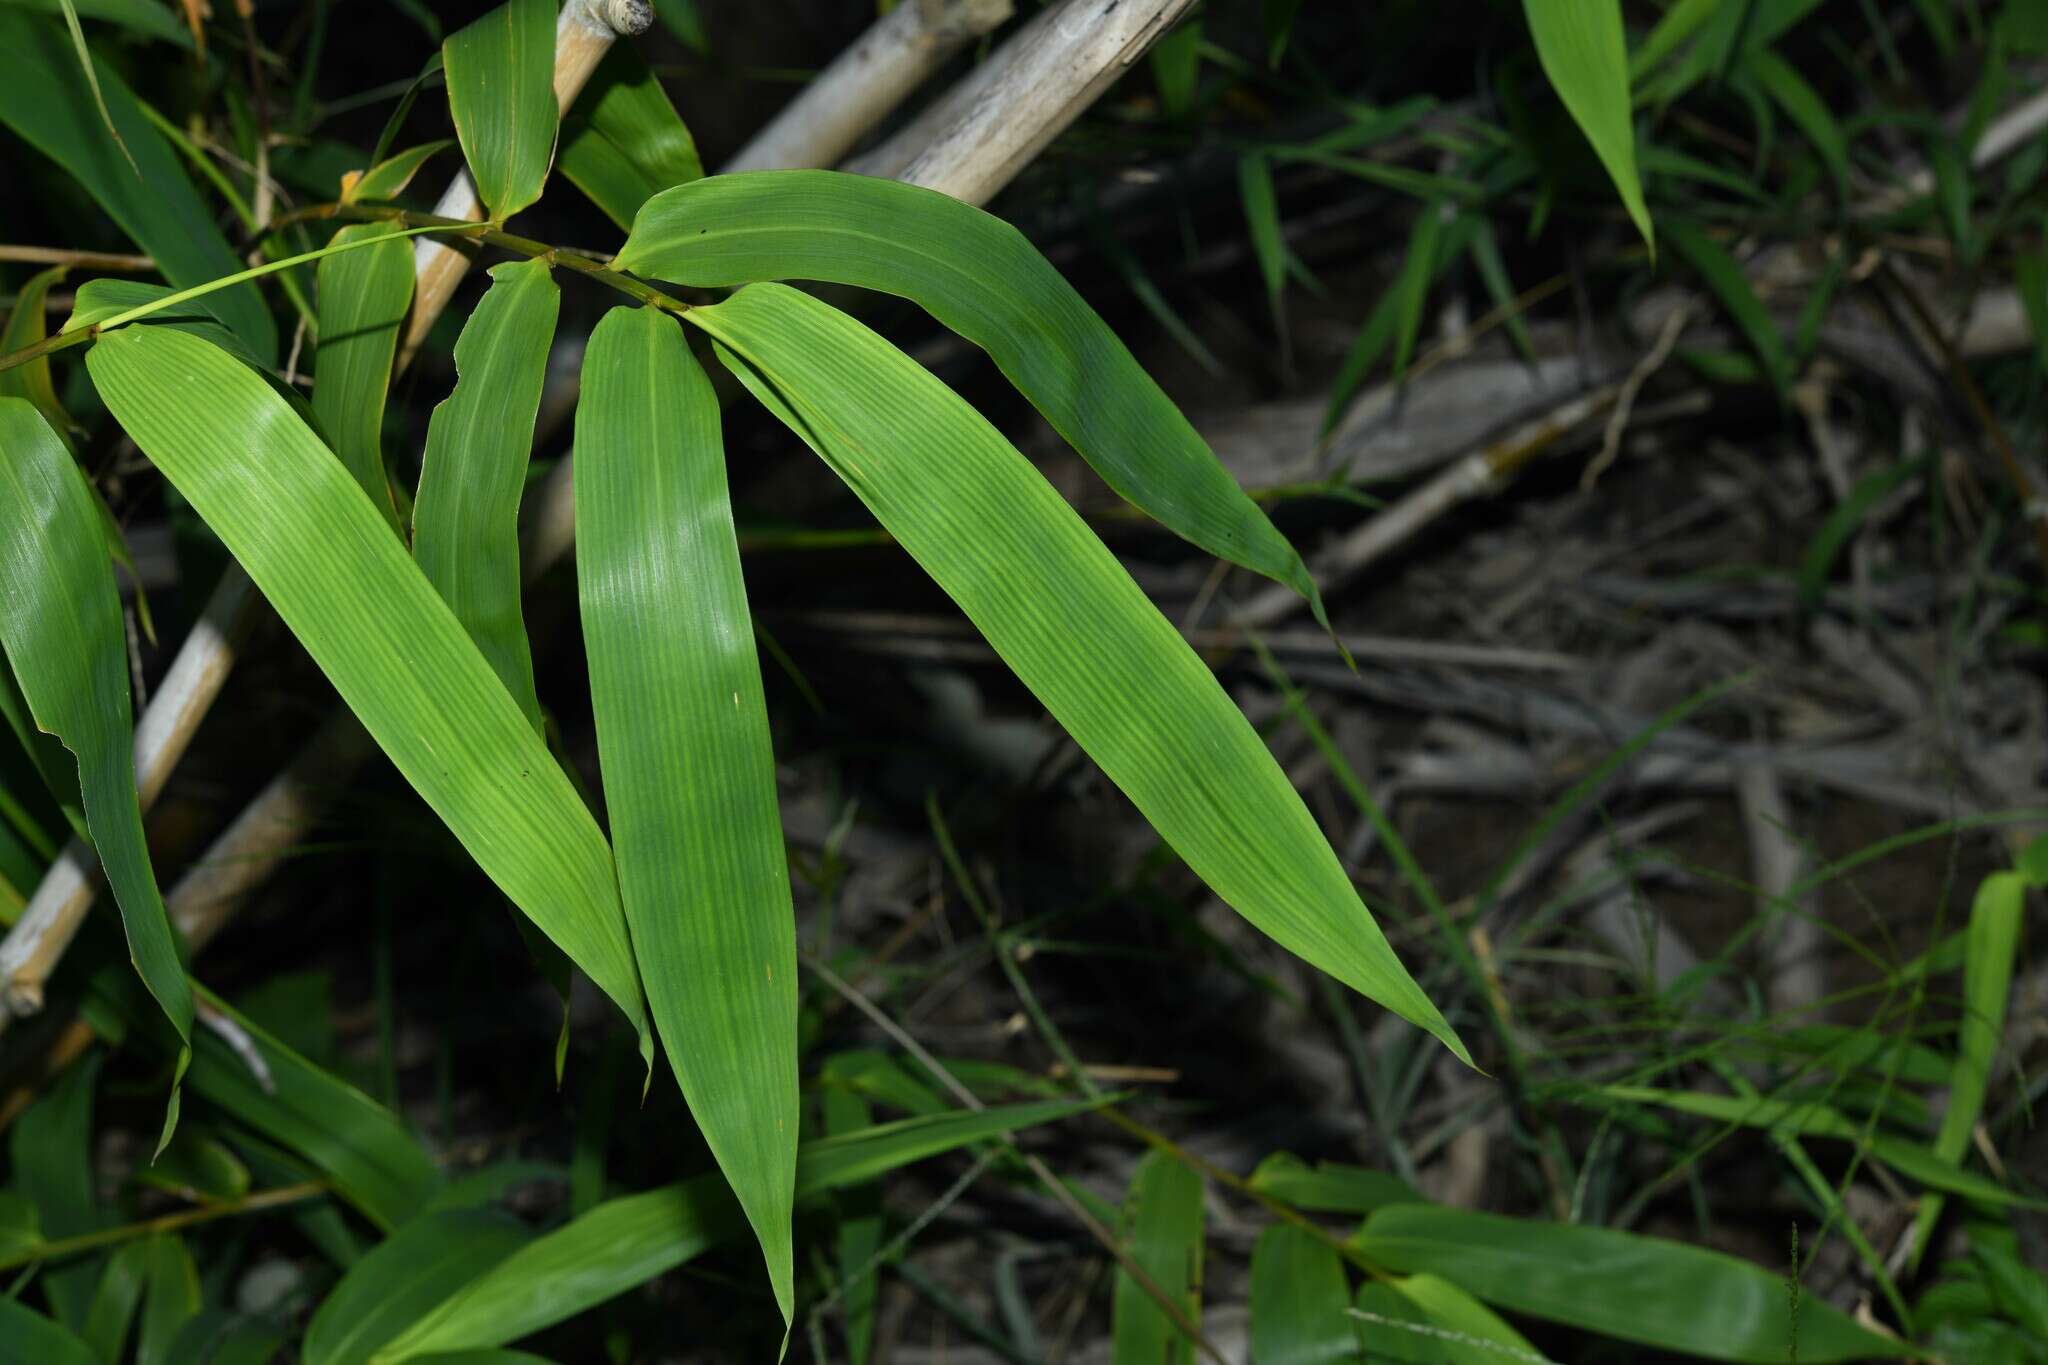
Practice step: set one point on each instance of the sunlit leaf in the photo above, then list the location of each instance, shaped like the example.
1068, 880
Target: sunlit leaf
1580, 45
1064, 614
689, 769
363, 296
983, 279
626, 143
407, 1274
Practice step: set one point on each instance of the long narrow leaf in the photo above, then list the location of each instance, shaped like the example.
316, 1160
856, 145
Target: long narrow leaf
362, 296
1642, 1289
409, 1273
44, 99
320, 552
501, 94
1066, 616
983, 279
52, 1147
1300, 1303
479, 442
628, 1241
1580, 45
626, 143
1732, 288
1163, 1222
28, 323
60, 622
689, 769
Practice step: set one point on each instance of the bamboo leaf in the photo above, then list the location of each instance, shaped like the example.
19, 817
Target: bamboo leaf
857, 1241
689, 769
1430, 1321
407, 1274
479, 443
389, 177
60, 621
322, 555
1063, 613
363, 296
983, 279
28, 323
52, 1147
116, 1300
143, 16
29, 1338
1677, 1297
626, 143
1300, 1303
628, 1241
1579, 43
42, 98
1804, 106
502, 96
1163, 1224
1330, 1187
170, 1299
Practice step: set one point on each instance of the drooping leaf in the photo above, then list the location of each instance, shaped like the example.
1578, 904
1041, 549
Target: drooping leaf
1678, 1298
60, 622
1990, 946
1299, 1300
1725, 278
628, 1241
325, 559
98, 300
29, 1338
1163, 1233
363, 296
983, 279
43, 98
683, 743
407, 1274
1580, 45
502, 96
1063, 613
28, 323
626, 143
479, 443
52, 1147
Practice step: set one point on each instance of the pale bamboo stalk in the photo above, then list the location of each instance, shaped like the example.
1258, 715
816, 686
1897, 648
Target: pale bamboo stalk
869, 79
50, 920
252, 847
583, 34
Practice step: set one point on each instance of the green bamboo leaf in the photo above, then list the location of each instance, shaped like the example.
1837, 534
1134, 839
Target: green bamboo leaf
1064, 614
1725, 278
1329, 1187
626, 143
1989, 948
170, 1298
29, 1338
1412, 290
348, 1139
144, 16
389, 177
363, 296
628, 1241
1163, 1231
683, 743
28, 323
1642, 1289
857, 1240
1176, 61
983, 279
52, 1146
1676, 25
1804, 106
43, 98
479, 442
115, 1301
98, 300
501, 92
60, 621
300, 526
404, 1276
1430, 1321
1579, 43
1809, 1119
1300, 1303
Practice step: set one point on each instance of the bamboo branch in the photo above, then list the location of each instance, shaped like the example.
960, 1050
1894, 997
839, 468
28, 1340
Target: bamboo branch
38, 940
869, 79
